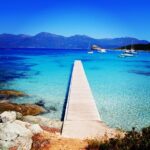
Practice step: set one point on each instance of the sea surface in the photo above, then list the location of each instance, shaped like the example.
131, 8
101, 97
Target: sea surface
121, 86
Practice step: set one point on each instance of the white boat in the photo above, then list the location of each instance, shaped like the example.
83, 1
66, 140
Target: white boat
90, 52
126, 51
133, 51
126, 55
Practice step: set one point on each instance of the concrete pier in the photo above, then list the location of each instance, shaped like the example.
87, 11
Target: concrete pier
82, 119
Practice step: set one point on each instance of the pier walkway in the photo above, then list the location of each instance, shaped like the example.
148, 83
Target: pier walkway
82, 118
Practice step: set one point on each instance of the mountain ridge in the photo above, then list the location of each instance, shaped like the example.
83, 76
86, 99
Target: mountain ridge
50, 40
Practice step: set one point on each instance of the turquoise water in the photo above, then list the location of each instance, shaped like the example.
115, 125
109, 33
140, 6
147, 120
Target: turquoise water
121, 86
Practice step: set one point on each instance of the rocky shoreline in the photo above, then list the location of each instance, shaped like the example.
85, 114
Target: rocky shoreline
19, 125
22, 127
19, 132
16, 131
24, 109
6, 104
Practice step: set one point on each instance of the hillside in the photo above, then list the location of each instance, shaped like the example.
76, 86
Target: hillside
48, 40
137, 47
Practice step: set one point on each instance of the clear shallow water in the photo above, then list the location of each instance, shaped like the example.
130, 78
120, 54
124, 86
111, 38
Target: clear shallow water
121, 86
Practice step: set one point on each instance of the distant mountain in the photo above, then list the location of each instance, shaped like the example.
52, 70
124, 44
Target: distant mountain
137, 47
48, 40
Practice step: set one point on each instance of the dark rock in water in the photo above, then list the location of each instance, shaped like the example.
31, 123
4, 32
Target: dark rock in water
24, 109
2, 97
7, 94
51, 108
48, 109
40, 103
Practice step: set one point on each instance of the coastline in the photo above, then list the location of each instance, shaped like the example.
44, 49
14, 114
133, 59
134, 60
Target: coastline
69, 49
41, 130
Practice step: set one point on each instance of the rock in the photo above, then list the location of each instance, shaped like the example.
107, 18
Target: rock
40, 103
7, 94
48, 109
42, 121
56, 131
41, 142
35, 129
8, 116
51, 108
19, 116
4, 101
15, 135
24, 109
22, 123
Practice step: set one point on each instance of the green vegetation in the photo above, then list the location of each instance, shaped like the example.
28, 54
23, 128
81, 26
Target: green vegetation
133, 140
145, 47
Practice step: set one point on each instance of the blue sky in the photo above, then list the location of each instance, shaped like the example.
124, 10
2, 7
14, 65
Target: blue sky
95, 18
